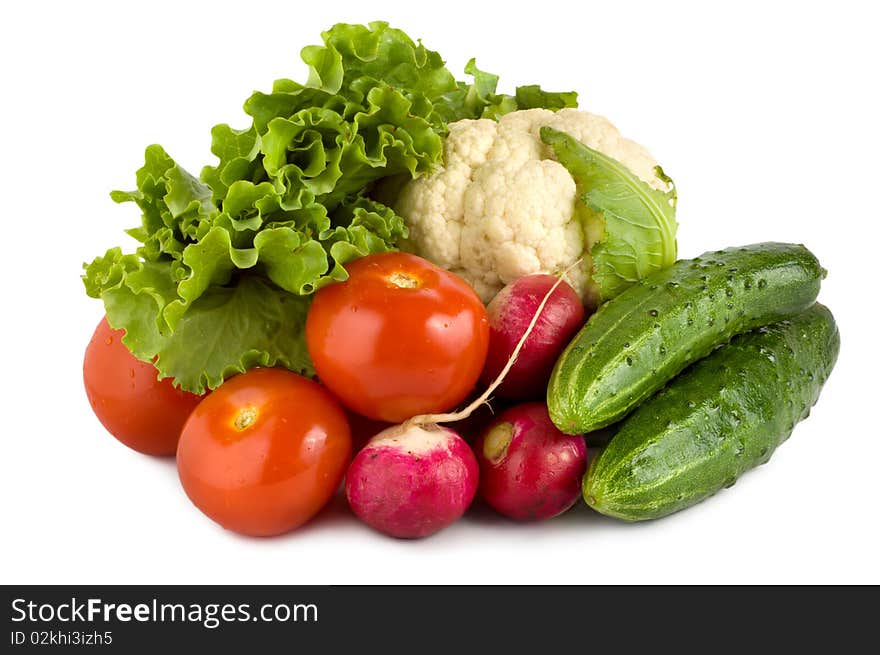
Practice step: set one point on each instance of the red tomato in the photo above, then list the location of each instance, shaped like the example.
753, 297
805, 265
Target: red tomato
400, 337
264, 452
142, 412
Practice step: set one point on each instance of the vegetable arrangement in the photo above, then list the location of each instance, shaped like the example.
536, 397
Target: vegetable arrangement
384, 244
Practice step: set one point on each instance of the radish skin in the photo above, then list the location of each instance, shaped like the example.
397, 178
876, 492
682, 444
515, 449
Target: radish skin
529, 470
411, 481
510, 312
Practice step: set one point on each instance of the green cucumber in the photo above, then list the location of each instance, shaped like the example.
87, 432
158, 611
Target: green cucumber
638, 341
720, 418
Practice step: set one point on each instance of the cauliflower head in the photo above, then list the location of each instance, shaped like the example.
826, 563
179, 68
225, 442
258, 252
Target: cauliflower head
502, 207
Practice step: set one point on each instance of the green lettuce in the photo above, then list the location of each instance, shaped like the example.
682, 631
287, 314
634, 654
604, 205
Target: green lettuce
228, 260
636, 221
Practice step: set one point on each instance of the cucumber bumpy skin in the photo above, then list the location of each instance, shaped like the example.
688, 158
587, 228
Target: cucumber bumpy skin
638, 341
720, 418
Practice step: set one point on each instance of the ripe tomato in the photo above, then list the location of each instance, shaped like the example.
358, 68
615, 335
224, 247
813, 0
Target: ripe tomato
142, 412
400, 337
264, 452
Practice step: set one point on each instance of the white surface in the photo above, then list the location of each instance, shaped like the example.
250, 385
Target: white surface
766, 115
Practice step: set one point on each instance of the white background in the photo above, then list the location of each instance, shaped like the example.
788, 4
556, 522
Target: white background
766, 114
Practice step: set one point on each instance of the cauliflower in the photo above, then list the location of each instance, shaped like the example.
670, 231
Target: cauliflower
502, 207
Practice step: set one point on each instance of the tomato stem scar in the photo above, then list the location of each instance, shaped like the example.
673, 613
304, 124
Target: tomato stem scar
403, 281
246, 417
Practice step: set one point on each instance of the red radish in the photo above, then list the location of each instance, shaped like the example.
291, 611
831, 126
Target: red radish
411, 481
529, 470
510, 313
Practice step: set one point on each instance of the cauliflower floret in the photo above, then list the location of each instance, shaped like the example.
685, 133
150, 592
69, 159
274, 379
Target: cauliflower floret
501, 207
517, 220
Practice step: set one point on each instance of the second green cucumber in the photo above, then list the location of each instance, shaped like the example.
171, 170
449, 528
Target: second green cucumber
718, 419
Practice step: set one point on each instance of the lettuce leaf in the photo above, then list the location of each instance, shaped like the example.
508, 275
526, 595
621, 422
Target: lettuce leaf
177, 294
228, 260
636, 221
228, 330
